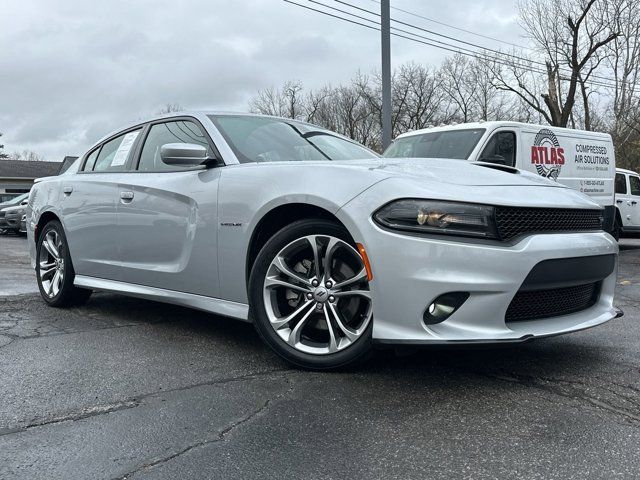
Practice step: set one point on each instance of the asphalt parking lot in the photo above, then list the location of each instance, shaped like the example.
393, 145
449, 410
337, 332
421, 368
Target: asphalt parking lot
126, 388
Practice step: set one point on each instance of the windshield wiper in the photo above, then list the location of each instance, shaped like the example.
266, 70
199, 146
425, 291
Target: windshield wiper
304, 136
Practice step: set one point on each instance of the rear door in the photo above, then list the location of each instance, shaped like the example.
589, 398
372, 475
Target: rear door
89, 207
167, 215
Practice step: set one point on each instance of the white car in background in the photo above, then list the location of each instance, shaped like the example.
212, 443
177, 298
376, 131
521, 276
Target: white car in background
628, 201
326, 247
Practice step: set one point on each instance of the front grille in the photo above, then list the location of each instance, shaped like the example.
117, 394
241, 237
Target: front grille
514, 221
536, 304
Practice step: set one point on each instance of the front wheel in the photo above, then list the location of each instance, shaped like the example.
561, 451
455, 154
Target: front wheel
54, 269
309, 296
617, 229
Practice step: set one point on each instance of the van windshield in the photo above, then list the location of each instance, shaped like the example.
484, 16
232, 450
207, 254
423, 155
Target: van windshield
457, 144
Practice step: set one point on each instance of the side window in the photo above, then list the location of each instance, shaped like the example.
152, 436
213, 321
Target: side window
91, 160
114, 154
181, 131
621, 183
634, 183
501, 148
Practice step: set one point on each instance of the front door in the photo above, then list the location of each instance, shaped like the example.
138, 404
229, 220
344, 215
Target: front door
623, 199
634, 201
167, 217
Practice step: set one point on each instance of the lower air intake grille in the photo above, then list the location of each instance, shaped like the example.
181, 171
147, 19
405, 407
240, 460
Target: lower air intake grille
536, 304
514, 221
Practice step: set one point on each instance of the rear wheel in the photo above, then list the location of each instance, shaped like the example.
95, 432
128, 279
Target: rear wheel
54, 269
310, 298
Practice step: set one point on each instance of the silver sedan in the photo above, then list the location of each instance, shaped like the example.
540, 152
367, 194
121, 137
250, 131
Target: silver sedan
324, 246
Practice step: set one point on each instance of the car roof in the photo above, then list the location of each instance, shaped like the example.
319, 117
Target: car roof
203, 113
495, 124
623, 170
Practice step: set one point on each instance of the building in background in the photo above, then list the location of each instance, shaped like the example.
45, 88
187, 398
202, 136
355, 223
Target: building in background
17, 176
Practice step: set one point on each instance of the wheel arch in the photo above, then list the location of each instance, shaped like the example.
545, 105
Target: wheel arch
278, 218
45, 217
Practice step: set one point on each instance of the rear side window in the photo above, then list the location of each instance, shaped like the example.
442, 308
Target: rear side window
114, 154
91, 161
634, 183
501, 149
621, 183
169, 132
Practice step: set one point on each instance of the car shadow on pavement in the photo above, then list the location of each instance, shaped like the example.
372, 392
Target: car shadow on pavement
520, 362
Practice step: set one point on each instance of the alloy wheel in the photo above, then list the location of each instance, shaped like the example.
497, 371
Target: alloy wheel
51, 266
316, 295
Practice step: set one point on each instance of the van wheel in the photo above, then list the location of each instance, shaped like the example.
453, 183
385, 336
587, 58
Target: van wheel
617, 229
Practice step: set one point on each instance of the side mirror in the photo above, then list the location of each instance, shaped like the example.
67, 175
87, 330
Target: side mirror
24, 202
499, 159
184, 154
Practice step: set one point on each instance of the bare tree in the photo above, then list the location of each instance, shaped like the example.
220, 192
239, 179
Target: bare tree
2, 154
170, 108
623, 117
282, 102
572, 49
27, 155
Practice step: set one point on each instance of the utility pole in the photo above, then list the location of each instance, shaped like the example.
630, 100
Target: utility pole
385, 24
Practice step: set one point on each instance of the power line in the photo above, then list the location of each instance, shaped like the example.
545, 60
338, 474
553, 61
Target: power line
438, 22
454, 50
442, 45
498, 52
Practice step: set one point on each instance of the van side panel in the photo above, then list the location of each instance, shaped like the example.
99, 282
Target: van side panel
579, 160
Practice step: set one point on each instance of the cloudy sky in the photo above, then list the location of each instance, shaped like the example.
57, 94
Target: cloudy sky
73, 70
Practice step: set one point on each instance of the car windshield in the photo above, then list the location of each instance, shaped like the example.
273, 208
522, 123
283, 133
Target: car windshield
265, 139
457, 144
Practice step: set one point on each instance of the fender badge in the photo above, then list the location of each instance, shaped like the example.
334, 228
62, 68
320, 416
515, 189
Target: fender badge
231, 224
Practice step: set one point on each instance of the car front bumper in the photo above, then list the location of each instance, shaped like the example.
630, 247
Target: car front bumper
410, 272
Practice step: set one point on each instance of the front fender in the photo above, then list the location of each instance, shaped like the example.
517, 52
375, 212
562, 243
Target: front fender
248, 192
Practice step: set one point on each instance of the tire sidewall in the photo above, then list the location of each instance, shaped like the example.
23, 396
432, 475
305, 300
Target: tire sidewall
359, 349
66, 290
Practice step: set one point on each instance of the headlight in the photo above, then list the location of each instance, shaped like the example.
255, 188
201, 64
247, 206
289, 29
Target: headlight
432, 216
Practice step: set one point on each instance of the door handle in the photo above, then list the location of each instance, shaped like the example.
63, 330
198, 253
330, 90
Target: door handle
126, 196
618, 201
67, 190
633, 202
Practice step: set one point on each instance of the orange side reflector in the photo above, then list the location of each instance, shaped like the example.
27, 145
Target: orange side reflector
365, 259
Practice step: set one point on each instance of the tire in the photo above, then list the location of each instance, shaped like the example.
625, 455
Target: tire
55, 273
617, 231
333, 336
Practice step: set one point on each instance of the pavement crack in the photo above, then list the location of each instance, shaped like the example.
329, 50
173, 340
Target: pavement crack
129, 403
221, 436
626, 408
73, 416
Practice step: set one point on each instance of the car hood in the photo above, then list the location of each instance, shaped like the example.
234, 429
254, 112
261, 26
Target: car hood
15, 209
455, 172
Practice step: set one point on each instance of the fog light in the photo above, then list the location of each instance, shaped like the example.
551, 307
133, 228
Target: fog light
443, 307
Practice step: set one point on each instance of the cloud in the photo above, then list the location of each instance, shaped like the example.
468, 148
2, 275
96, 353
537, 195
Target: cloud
71, 70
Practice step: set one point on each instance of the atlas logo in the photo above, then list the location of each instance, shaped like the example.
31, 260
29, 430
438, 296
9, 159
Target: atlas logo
547, 154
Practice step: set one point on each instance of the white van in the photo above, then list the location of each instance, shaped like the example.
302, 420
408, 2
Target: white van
581, 160
627, 201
